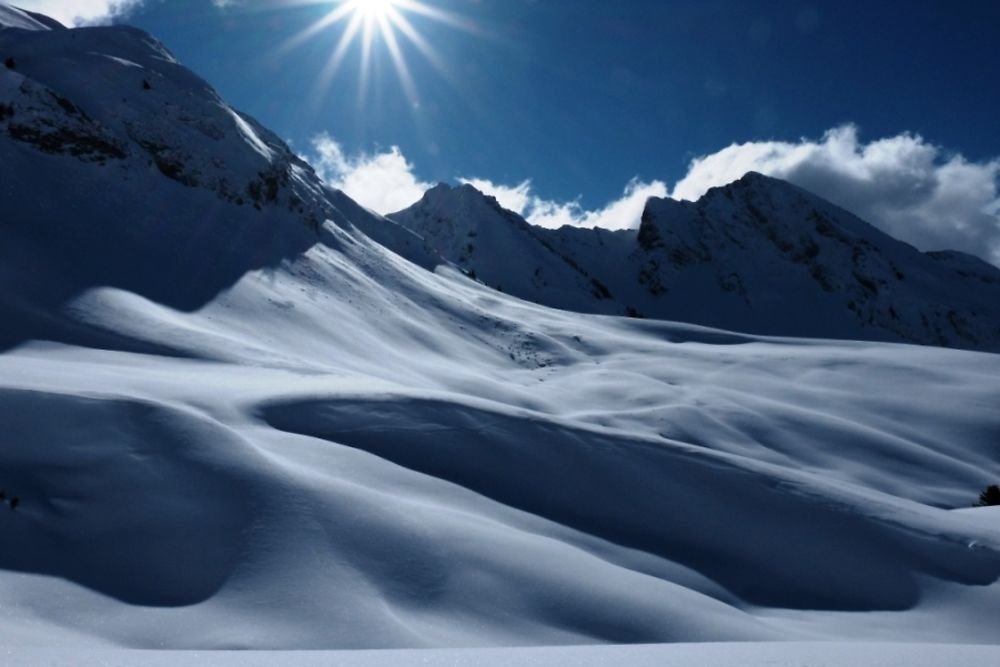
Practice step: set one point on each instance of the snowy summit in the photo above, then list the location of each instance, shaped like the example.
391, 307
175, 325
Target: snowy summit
759, 255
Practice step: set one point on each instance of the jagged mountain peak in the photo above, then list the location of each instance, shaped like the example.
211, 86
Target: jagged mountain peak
111, 120
750, 182
451, 218
769, 205
499, 247
116, 96
758, 254
463, 199
782, 250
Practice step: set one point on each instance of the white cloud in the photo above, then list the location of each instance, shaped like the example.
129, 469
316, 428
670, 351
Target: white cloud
90, 12
383, 182
79, 12
910, 188
517, 198
623, 213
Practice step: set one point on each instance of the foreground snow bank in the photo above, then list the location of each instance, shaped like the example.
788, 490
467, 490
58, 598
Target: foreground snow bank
675, 655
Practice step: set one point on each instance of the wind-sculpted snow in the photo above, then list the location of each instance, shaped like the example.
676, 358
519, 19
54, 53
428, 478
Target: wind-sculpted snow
89, 466
664, 498
233, 426
785, 654
420, 462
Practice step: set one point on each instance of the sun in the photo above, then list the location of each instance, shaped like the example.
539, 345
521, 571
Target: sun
373, 10
371, 22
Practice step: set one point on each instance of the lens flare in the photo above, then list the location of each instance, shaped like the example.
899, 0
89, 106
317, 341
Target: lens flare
370, 22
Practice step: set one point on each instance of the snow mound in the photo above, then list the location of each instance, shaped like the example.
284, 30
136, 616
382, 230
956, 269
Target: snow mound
790, 654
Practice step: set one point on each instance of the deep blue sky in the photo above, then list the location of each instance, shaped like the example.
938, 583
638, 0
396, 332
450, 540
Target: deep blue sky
582, 95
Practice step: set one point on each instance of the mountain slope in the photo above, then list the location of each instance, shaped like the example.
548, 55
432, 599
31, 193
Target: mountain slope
236, 425
108, 118
759, 255
474, 232
12, 17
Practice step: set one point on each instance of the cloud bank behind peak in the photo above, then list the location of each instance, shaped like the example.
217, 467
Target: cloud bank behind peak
907, 186
910, 188
385, 181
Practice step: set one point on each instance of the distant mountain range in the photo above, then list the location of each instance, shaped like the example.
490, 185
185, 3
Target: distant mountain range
758, 255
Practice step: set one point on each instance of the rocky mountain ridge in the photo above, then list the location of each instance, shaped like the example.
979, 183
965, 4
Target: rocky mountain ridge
758, 255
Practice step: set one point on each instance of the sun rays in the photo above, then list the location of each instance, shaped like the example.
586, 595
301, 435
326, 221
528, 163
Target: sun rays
367, 24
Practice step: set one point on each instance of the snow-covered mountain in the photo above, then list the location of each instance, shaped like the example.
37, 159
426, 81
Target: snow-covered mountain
108, 120
239, 411
758, 255
500, 248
